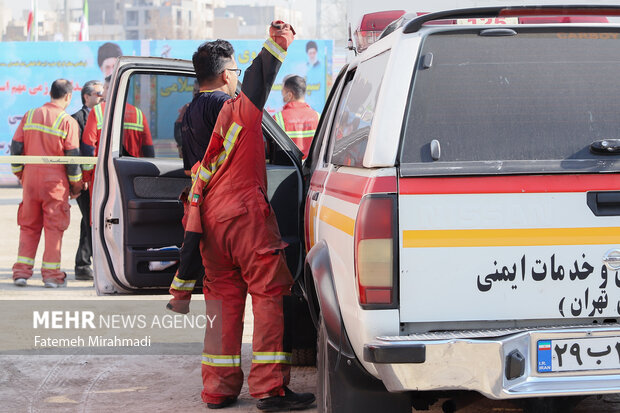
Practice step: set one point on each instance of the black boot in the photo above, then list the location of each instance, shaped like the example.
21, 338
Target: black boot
290, 401
225, 403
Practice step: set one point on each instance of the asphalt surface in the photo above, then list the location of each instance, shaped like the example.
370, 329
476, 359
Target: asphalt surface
79, 381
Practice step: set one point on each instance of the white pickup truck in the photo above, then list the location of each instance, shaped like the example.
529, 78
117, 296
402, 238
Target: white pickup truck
456, 225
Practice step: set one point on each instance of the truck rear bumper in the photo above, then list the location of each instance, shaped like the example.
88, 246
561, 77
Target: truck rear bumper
500, 364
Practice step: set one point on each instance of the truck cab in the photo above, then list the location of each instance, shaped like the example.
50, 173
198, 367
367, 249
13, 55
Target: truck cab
461, 213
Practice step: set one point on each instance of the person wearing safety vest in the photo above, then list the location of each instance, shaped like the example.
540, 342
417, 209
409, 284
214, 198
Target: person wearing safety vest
297, 118
46, 131
232, 228
137, 140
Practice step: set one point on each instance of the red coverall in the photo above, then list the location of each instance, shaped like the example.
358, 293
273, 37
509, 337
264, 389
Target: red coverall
299, 121
49, 131
137, 140
240, 243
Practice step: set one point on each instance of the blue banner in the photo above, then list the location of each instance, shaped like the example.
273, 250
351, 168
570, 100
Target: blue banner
27, 70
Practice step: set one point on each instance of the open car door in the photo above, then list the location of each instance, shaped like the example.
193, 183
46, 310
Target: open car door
136, 214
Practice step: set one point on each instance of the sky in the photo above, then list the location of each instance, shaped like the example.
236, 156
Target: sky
307, 7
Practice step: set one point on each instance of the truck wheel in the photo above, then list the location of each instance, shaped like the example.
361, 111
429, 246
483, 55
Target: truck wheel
324, 403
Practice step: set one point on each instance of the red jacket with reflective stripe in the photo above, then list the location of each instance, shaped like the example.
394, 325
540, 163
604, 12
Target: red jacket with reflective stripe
234, 164
299, 121
136, 132
49, 131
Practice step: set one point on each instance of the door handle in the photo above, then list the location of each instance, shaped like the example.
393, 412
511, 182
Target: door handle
604, 203
315, 196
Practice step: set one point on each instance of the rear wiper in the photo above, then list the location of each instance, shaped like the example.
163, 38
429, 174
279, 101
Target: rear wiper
605, 147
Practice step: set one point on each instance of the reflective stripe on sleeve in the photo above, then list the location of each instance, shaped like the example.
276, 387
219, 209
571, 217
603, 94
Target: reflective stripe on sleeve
182, 285
272, 357
25, 260
275, 49
221, 361
75, 178
17, 168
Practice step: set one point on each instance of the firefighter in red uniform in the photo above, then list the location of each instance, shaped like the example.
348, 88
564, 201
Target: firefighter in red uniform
46, 131
242, 251
297, 118
137, 140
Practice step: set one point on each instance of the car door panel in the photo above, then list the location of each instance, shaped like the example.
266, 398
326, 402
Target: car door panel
152, 214
139, 212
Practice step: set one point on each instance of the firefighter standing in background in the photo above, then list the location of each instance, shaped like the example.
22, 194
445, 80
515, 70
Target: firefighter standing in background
137, 140
46, 131
297, 118
241, 247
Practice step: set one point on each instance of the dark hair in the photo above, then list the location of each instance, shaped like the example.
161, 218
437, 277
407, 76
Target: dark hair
60, 88
311, 45
210, 59
296, 84
107, 50
88, 88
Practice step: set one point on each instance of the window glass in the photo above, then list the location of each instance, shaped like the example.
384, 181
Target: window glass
153, 114
355, 112
534, 96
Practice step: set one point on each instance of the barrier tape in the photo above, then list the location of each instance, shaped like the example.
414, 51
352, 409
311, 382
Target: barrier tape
60, 160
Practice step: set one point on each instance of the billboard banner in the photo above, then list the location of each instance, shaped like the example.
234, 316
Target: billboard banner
27, 70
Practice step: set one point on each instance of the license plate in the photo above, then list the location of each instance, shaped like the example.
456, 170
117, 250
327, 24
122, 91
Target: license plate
496, 20
598, 353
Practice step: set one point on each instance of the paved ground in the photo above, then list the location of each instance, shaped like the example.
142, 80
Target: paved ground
81, 382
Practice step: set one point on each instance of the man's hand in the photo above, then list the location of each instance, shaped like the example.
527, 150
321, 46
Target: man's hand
76, 189
19, 176
282, 33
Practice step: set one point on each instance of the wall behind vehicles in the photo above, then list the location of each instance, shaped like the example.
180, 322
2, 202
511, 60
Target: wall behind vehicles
27, 70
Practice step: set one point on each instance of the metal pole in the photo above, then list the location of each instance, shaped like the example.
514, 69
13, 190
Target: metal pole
319, 8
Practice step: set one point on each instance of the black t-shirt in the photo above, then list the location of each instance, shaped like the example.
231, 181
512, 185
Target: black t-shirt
198, 123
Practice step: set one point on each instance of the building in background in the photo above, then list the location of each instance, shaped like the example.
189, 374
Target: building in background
250, 22
169, 19
106, 19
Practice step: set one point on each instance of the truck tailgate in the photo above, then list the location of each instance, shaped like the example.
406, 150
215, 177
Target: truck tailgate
508, 247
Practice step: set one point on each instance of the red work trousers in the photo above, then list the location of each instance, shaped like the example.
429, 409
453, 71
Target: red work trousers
243, 252
45, 204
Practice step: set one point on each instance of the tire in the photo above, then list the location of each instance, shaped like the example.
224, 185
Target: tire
324, 402
304, 357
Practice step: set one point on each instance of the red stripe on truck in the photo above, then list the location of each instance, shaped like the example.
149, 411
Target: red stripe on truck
351, 188
510, 184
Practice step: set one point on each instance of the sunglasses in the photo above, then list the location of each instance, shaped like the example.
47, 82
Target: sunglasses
97, 94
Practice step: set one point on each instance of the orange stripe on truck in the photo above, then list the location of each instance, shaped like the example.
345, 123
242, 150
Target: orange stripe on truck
337, 220
510, 237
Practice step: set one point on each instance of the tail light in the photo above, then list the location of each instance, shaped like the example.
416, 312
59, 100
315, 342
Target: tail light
372, 25
376, 251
